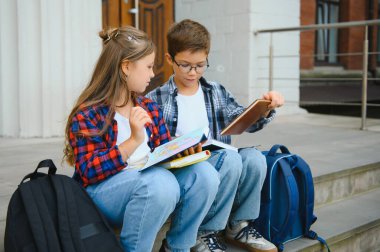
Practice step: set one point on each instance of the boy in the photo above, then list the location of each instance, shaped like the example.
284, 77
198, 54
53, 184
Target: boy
188, 102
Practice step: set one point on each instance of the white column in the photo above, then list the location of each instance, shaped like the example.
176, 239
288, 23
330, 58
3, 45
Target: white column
30, 67
53, 81
48, 49
9, 89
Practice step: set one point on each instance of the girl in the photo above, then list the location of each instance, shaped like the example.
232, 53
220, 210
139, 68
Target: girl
109, 133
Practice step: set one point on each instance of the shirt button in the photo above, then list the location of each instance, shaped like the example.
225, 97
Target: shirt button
175, 119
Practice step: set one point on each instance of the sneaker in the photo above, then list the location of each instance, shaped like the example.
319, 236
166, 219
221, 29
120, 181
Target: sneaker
244, 235
210, 242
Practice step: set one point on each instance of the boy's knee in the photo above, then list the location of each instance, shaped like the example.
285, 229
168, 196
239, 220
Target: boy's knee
229, 164
254, 161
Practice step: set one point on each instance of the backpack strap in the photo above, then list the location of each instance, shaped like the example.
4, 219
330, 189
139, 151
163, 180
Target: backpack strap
69, 231
313, 235
40, 221
273, 150
308, 187
44, 163
291, 187
309, 217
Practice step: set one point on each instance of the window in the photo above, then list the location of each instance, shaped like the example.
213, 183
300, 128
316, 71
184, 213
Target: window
327, 40
378, 32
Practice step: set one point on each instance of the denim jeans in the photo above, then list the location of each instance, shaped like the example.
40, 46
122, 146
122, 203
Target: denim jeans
242, 176
248, 196
140, 203
229, 165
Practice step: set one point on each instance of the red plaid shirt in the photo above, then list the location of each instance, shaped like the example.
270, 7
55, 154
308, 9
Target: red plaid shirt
98, 157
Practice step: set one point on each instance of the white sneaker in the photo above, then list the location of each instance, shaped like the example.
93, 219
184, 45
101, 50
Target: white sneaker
209, 243
244, 235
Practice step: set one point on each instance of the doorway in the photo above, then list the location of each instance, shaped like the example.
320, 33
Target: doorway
152, 16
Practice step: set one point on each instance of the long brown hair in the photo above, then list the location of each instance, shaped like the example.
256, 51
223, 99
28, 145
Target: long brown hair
108, 80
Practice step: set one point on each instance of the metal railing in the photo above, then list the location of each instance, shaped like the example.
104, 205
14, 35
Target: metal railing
340, 25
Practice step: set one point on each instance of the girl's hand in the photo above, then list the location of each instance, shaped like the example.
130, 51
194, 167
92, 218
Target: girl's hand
277, 100
137, 119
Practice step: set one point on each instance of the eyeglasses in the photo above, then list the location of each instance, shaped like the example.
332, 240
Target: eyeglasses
186, 68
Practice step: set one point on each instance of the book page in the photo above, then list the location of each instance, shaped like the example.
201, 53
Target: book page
176, 146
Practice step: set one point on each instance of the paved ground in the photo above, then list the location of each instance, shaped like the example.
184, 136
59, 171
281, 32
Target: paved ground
327, 143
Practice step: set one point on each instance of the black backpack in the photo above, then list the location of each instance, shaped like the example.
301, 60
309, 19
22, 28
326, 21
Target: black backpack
53, 213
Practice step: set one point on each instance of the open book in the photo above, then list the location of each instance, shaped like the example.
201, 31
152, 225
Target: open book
175, 146
251, 115
187, 160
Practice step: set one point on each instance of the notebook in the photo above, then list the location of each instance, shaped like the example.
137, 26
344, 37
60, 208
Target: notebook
251, 115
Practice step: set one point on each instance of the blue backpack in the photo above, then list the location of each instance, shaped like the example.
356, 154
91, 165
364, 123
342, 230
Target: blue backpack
287, 199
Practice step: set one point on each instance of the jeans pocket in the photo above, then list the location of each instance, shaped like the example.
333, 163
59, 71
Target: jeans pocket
217, 158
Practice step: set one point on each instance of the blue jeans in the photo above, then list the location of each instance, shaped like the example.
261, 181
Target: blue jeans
248, 196
140, 203
242, 176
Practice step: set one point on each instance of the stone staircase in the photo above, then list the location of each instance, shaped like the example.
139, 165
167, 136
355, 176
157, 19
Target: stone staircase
347, 204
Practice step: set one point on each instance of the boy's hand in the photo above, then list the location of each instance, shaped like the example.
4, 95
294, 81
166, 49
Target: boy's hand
277, 100
192, 150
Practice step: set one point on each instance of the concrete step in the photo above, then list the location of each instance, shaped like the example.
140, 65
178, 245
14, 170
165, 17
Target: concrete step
342, 184
329, 188
349, 225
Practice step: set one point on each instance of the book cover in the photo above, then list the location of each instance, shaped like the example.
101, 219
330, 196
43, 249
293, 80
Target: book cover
251, 115
175, 146
187, 160
212, 144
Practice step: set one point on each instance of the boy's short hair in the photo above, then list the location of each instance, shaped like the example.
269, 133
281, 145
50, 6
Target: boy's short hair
188, 35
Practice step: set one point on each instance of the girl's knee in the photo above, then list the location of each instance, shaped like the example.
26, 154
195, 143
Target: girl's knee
163, 187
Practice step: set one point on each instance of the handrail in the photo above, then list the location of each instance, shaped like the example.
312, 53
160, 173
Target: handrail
319, 54
321, 26
365, 52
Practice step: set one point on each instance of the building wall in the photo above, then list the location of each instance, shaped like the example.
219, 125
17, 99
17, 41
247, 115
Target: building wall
351, 39
48, 49
286, 50
238, 58
231, 35
308, 17
373, 42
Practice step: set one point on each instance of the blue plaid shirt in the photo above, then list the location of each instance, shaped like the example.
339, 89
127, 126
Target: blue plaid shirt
221, 107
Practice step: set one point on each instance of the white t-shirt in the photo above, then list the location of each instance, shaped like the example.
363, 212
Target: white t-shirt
192, 112
140, 155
